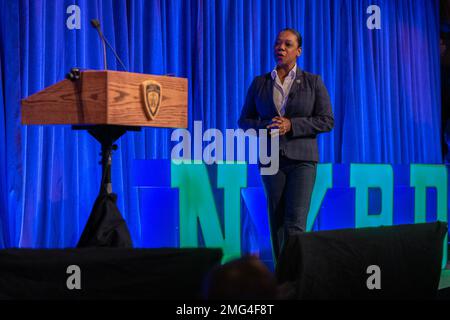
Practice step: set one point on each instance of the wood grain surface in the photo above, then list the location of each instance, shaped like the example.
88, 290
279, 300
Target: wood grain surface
107, 97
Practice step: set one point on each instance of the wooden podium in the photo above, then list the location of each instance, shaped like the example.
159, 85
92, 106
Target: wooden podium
108, 104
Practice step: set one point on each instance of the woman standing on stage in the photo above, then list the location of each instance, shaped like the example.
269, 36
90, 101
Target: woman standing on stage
297, 103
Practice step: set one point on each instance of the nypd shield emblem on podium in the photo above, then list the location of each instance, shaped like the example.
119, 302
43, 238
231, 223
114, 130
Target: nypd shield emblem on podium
152, 93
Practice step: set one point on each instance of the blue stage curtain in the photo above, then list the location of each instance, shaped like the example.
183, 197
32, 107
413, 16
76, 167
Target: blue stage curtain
384, 86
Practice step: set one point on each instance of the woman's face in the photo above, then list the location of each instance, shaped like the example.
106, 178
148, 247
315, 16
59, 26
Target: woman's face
287, 49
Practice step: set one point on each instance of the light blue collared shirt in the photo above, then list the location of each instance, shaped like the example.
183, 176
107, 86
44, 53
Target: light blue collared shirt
281, 91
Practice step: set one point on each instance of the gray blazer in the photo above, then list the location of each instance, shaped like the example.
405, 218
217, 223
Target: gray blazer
308, 107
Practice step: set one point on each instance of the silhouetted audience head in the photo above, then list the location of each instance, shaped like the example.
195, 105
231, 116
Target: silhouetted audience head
246, 278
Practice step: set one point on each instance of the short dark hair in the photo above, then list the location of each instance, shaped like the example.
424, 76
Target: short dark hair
246, 278
296, 33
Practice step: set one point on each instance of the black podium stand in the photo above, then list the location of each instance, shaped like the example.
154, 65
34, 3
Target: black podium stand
106, 226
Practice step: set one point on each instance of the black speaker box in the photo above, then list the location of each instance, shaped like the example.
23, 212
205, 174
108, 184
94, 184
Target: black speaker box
340, 264
105, 273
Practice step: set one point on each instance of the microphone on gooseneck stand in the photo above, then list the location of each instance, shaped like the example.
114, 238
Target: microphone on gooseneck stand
96, 24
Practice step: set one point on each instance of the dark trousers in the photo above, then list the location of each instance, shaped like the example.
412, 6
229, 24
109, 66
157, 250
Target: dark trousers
289, 195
